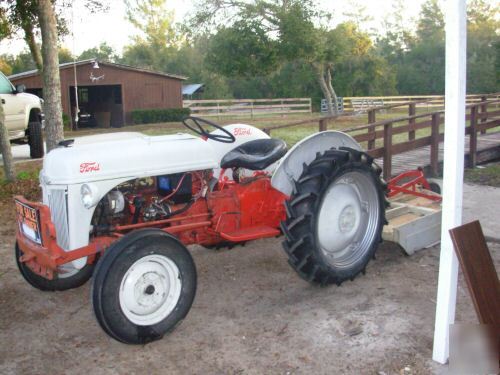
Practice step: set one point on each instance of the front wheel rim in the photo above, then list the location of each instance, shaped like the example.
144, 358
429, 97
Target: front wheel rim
150, 290
348, 219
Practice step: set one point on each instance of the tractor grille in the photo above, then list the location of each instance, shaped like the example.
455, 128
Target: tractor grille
58, 203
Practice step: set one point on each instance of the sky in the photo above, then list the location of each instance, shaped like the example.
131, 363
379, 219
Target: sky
89, 30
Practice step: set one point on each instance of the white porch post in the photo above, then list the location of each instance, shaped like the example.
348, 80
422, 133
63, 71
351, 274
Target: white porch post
453, 172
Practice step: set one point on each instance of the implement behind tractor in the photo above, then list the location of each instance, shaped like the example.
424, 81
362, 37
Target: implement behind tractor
121, 208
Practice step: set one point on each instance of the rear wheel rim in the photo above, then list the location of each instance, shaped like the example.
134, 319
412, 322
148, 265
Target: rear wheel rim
150, 290
348, 219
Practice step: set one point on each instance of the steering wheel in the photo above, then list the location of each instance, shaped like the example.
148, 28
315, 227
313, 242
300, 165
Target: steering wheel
196, 125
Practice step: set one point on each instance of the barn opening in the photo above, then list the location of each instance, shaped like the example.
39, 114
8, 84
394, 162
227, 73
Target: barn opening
100, 106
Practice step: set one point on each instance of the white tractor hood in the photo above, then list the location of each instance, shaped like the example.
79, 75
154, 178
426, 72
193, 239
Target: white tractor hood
119, 155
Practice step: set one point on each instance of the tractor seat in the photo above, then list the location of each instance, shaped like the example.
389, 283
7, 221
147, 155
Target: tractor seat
255, 155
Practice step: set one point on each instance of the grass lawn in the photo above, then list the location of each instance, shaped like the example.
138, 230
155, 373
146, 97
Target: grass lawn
488, 174
26, 184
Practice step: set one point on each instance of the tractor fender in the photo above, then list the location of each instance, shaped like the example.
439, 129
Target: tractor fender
292, 164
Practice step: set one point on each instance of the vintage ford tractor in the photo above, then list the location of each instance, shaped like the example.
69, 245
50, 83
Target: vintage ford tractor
122, 208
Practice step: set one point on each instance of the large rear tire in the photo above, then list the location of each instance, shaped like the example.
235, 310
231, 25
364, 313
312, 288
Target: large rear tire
71, 278
35, 140
144, 285
335, 217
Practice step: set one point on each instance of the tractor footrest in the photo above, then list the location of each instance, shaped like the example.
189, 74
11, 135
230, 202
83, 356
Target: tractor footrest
249, 234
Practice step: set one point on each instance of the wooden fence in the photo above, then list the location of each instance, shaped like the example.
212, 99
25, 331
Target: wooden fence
415, 131
248, 107
360, 103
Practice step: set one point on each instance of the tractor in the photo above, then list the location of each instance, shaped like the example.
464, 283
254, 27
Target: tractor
123, 207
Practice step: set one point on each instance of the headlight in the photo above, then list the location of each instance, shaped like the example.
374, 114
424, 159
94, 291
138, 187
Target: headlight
89, 195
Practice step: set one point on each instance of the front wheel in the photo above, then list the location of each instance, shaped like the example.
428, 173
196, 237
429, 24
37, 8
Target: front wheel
144, 285
68, 277
335, 217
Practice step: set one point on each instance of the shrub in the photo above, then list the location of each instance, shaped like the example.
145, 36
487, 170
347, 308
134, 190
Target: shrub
66, 122
151, 116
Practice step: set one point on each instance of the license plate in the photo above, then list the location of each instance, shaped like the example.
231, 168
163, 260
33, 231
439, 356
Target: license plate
29, 223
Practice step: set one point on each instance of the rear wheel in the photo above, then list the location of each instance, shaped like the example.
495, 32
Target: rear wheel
68, 277
335, 217
35, 140
144, 285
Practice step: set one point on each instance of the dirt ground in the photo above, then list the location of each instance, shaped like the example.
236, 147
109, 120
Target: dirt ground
252, 315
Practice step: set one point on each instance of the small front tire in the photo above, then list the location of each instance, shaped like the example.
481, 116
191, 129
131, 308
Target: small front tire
71, 279
144, 285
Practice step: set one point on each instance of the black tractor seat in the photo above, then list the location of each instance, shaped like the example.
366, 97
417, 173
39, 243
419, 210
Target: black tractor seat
255, 155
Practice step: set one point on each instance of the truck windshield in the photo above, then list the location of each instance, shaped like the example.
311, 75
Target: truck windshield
5, 85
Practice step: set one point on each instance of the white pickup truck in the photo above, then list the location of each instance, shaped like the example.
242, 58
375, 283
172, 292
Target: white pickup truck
23, 115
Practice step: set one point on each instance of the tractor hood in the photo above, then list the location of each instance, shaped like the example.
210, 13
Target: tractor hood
123, 155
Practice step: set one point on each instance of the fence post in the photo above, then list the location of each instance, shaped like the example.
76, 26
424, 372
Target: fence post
388, 150
282, 109
371, 116
371, 129
435, 144
323, 124
251, 109
484, 111
412, 110
218, 111
473, 137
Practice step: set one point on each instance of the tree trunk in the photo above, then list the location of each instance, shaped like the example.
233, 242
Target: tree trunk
320, 75
332, 91
8, 163
51, 79
29, 37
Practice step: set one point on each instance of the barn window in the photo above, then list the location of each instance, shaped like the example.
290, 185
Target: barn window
83, 95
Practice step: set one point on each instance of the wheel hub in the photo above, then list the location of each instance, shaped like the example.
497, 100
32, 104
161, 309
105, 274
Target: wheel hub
347, 218
150, 289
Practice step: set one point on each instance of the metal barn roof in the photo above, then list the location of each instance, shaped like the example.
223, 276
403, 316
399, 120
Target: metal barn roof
34, 72
191, 88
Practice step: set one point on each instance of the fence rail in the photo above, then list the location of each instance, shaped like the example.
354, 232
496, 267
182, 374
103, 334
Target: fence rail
249, 107
360, 103
379, 136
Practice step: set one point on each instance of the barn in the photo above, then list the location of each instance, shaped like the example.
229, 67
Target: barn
105, 94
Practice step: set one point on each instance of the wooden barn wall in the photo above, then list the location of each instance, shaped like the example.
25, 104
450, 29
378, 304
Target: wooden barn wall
140, 90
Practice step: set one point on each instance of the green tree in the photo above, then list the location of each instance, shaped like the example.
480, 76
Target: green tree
243, 49
103, 52
483, 42
359, 70
5, 66
154, 21
158, 38
280, 30
65, 56
418, 59
20, 63
22, 14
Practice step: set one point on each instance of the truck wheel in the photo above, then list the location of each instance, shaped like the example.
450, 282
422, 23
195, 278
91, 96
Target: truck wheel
335, 217
144, 285
69, 279
35, 140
